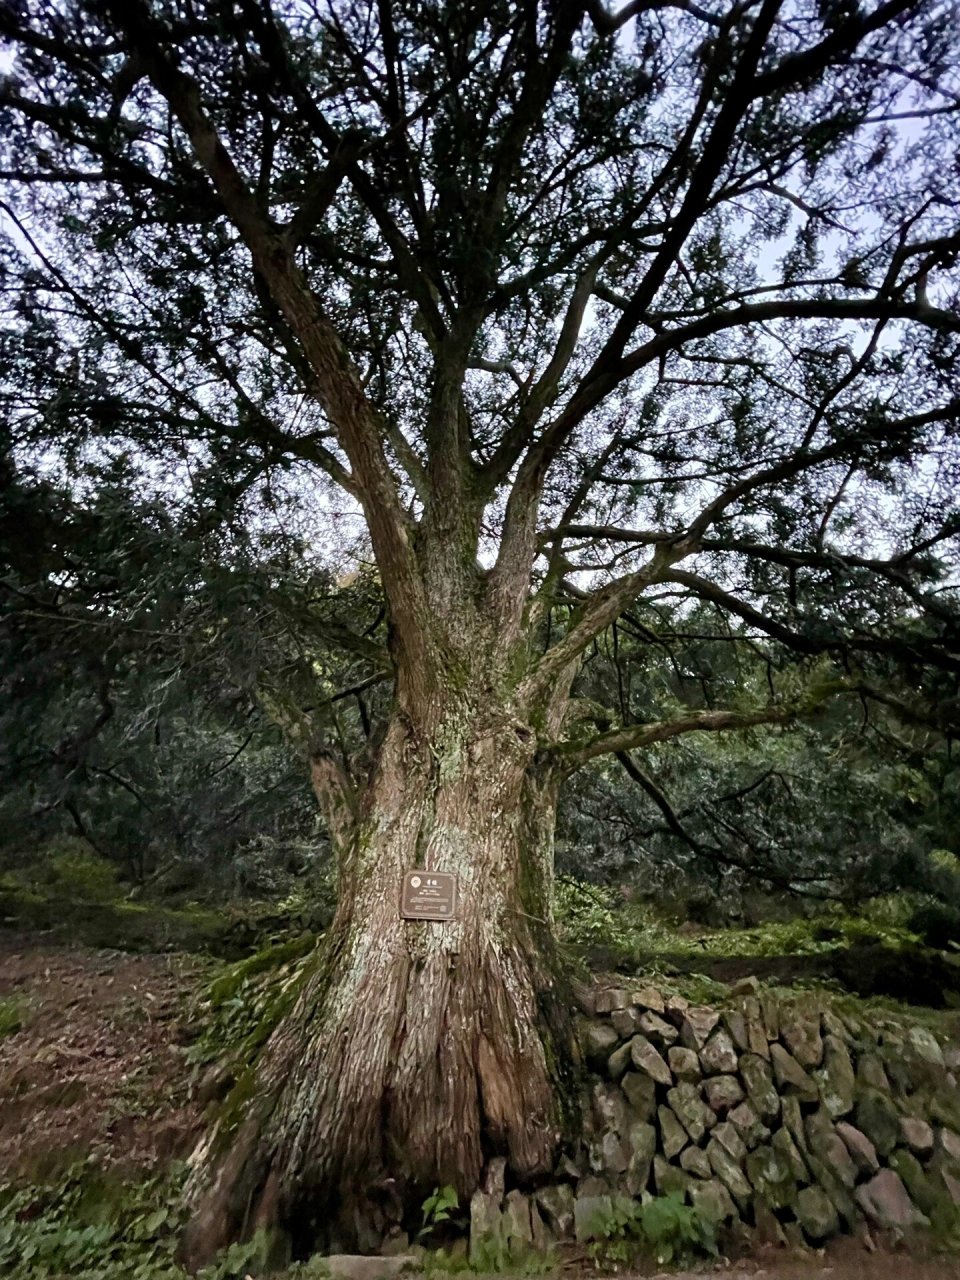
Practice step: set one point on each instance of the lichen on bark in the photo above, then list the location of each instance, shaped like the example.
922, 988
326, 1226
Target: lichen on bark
414, 1051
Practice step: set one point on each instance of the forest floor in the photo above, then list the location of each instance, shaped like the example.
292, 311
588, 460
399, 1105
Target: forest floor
93, 1068
96, 1068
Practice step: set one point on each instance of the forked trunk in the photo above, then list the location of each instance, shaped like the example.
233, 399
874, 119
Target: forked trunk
418, 1050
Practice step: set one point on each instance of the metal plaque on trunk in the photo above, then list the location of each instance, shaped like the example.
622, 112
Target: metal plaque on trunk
429, 895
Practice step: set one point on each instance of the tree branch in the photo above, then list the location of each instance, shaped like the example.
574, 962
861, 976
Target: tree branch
598, 611
337, 383
634, 737
607, 23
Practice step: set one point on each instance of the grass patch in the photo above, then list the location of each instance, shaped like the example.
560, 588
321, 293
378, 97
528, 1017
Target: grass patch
11, 1017
124, 925
589, 916
871, 954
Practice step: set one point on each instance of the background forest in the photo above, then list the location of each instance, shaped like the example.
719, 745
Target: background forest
159, 697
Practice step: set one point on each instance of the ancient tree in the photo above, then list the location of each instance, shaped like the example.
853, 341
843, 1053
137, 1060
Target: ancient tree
578, 310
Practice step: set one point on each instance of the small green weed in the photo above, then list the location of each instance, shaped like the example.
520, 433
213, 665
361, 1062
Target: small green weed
499, 1252
664, 1227
11, 1017
438, 1209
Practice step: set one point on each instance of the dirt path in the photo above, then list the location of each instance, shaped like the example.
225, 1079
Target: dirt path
97, 1067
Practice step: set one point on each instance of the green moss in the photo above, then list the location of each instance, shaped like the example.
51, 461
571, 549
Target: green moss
80, 873
69, 916
240, 1010
271, 957
237, 1102
831, 951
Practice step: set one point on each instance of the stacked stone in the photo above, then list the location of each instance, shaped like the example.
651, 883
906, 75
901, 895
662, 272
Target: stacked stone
782, 1118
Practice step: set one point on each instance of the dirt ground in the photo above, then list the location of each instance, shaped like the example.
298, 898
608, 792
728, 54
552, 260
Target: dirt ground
98, 1069
98, 1066
840, 1263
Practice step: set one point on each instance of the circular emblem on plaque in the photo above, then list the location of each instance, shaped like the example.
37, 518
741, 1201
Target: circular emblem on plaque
429, 895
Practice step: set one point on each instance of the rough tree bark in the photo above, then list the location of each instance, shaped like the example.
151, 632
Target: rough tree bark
416, 1051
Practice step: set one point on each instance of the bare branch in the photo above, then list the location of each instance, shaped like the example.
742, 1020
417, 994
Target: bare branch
607, 23
337, 383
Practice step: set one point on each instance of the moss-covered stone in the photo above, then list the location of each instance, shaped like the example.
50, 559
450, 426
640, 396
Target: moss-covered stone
920, 1188
825, 1143
800, 1032
673, 1136
784, 1143
817, 1214
556, 1205
694, 1160
839, 1195
918, 1136
690, 1109
718, 1056
722, 1093
748, 1124
862, 1151
772, 1177
713, 1201
944, 1108
641, 1093
758, 1080
729, 1137
620, 1060
790, 1076
641, 1146
871, 1073
793, 1121
879, 1119
668, 1179
609, 1106
648, 1060
729, 1172
836, 1078
597, 1039
684, 1063
885, 1201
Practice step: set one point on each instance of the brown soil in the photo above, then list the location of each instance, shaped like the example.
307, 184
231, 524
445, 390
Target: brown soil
97, 1068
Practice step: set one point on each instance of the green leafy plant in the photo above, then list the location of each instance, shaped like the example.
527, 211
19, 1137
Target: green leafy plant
675, 1231
91, 1226
437, 1209
662, 1227
242, 1005
498, 1251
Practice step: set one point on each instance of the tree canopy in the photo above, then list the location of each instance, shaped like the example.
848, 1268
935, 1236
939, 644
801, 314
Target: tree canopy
656, 301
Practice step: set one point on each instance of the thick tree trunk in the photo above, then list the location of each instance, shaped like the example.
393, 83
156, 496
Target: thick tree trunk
417, 1051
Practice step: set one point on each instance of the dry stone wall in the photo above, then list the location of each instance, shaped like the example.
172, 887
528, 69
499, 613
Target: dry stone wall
784, 1118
